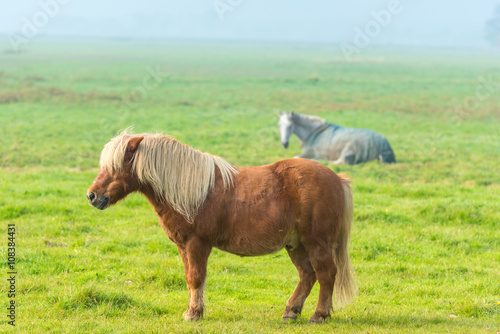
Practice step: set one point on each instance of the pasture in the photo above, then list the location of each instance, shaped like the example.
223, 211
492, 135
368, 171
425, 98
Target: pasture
426, 237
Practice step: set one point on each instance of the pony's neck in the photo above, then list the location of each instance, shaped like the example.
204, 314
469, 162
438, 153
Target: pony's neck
161, 207
304, 127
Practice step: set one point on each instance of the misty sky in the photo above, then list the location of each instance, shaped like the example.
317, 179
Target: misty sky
420, 22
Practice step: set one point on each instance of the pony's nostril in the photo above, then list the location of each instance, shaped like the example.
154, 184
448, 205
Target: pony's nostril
91, 196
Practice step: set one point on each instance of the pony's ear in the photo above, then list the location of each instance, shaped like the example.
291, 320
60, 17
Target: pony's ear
133, 143
292, 113
280, 113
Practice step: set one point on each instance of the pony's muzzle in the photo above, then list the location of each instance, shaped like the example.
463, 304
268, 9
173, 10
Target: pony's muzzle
99, 202
284, 144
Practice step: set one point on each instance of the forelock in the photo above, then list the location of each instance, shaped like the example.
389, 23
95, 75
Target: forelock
113, 153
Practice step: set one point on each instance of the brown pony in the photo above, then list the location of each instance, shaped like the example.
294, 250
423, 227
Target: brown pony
203, 202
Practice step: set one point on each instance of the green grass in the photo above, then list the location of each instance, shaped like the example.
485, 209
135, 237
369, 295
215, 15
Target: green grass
426, 239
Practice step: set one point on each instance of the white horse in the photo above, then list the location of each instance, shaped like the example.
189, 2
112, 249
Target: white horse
327, 141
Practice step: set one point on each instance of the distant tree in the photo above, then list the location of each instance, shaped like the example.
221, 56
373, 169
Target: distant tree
492, 28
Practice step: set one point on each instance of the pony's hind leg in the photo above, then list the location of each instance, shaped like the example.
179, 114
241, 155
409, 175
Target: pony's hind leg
307, 276
322, 261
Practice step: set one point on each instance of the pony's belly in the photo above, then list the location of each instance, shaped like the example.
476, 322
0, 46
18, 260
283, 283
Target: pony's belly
250, 251
260, 245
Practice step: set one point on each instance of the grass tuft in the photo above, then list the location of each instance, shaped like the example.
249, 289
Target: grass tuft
92, 297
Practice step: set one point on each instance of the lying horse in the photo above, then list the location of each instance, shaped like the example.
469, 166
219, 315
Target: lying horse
327, 141
203, 202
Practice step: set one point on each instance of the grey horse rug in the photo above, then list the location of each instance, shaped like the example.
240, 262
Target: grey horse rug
346, 145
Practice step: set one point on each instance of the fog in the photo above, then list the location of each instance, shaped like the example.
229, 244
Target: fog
410, 23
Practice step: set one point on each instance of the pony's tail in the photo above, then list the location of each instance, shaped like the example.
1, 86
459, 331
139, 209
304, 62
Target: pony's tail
345, 285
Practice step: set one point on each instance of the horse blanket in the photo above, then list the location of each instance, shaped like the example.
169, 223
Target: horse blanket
346, 145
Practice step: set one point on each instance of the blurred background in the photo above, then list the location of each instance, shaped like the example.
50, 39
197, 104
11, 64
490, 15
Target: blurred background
466, 24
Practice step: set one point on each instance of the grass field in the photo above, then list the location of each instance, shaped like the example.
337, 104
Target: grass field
426, 238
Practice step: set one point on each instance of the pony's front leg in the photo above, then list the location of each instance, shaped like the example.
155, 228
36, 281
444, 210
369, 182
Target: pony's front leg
196, 254
182, 252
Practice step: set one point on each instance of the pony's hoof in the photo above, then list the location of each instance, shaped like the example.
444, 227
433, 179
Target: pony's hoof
289, 315
192, 315
317, 319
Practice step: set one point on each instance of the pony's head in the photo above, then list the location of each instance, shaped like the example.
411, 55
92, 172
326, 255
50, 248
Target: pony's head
286, 127
157, 165
115, 179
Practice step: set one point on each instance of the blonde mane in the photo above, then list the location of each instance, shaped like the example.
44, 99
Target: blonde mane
178, 174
